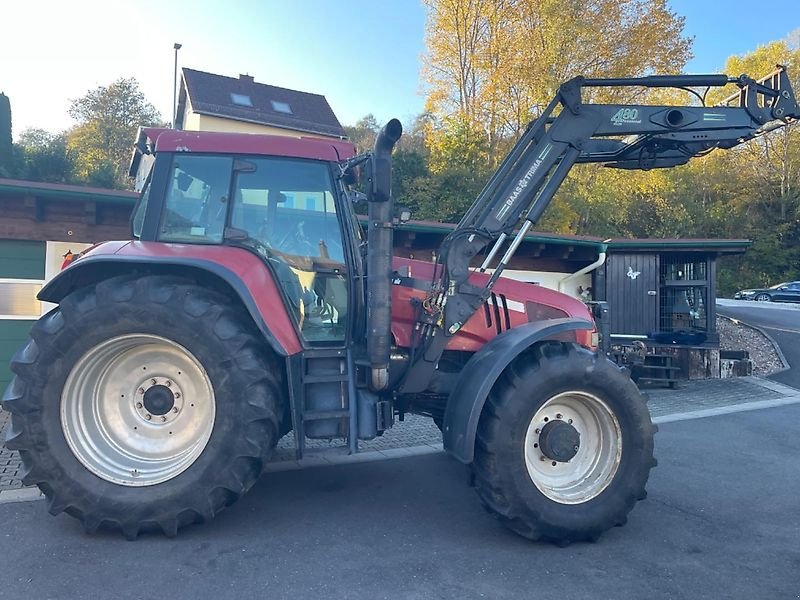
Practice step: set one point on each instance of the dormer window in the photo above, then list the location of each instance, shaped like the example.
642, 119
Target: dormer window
281, 107
241, 99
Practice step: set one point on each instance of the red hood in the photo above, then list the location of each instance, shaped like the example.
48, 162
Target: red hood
519, 291
512, 303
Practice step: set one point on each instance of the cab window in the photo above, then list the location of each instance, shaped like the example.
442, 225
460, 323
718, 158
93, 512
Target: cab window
197, 199
285, 209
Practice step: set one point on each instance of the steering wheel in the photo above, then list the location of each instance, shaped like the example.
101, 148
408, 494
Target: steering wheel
296, 242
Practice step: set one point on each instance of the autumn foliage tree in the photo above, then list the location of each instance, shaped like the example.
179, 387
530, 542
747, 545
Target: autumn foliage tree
493, 65
107, 119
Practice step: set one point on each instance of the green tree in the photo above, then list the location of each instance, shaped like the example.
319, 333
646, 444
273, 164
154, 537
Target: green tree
6, 145
45, 157
363, 133
107, 119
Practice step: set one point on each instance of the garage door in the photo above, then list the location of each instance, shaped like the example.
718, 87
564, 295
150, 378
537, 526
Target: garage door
22, 266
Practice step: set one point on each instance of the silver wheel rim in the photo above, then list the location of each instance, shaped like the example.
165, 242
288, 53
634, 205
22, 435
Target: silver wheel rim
112, 423
762, 298
597, 459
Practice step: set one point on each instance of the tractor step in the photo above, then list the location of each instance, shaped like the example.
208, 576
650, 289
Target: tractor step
321, 415
323, 398
332, 378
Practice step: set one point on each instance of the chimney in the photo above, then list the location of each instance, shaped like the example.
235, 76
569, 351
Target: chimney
245, 78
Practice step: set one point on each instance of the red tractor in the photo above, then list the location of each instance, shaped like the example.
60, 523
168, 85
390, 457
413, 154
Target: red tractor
251, 303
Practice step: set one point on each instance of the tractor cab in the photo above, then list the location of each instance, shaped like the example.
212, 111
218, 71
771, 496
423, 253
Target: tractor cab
279, 198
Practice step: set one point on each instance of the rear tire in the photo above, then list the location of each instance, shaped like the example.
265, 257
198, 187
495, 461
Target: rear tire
541, 488
105, 448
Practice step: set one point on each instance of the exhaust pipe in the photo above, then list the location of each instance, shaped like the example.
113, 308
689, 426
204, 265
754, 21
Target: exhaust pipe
380, 236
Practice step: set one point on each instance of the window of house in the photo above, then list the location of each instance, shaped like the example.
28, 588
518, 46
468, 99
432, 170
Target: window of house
281, 107
241, 99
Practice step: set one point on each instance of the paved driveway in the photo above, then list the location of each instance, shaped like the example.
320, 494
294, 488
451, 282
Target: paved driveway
721, 521
780, 321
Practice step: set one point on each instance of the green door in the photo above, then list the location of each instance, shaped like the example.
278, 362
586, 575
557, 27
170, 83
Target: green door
19, 261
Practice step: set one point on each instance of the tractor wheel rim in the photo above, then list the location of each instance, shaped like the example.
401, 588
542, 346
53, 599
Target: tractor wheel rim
594, 461
137, 410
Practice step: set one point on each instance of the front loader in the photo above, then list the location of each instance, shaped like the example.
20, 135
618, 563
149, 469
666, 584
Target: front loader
250, 304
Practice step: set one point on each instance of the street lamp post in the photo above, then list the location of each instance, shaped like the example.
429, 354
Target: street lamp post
177, 47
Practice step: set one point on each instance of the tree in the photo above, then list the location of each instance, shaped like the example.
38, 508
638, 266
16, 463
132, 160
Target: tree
107, 119
363, 133
45, 157
495, 64
6, 145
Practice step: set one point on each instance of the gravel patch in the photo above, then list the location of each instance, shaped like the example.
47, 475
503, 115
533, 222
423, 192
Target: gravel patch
733, 336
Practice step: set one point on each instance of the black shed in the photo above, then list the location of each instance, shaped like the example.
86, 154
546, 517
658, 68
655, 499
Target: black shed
663, 289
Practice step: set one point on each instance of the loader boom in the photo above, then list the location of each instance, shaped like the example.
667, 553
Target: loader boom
617, 135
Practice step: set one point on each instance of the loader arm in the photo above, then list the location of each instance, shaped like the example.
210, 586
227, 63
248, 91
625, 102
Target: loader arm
569, 132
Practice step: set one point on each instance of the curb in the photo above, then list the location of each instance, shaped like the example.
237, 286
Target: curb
25, 494
777, 348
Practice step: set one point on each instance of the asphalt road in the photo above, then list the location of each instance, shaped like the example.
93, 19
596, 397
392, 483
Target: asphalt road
780, 321
721, 521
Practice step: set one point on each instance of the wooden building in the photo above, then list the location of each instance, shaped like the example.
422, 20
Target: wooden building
40, 223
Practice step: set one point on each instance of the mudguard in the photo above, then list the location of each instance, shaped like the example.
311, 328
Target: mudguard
254, 287
478, 376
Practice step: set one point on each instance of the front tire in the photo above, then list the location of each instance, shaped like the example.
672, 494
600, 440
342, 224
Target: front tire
564, 446
143, 403
763, 298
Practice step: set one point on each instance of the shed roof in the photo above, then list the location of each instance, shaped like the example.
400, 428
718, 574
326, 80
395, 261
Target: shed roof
717, 246
63, 191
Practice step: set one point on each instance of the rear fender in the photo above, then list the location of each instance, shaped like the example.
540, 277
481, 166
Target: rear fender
253, 290
478, 376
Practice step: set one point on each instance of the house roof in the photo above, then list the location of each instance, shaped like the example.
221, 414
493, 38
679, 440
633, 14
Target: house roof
717, 246
259, 103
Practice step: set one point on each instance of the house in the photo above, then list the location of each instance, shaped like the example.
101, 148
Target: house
209, 102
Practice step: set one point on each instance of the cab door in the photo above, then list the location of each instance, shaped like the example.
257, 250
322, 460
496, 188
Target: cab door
287, 210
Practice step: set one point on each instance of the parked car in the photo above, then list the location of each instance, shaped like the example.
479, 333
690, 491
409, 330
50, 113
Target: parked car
782, 292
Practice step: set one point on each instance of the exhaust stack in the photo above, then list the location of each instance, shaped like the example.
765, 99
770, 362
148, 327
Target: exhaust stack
380, 236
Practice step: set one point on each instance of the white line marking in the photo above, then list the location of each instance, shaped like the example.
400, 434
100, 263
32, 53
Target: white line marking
727, 410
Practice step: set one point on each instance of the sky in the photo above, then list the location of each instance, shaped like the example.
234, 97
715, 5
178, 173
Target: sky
363, 55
